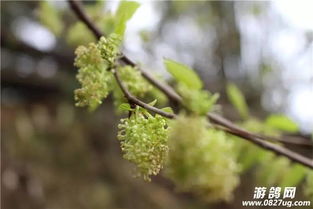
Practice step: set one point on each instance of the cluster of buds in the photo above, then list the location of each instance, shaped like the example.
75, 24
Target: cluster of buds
200, 159
143, 140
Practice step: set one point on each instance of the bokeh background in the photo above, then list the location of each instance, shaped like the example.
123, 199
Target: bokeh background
55, 155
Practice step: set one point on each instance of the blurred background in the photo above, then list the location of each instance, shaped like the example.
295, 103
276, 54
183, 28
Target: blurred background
55, 155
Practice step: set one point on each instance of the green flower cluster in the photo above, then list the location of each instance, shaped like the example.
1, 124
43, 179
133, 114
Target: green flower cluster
94, 62
109, 48
200, 159
134, 81
196, 100
144, 141
93, 77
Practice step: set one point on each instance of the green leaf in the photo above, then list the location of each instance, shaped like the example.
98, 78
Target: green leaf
214, 99
272, 169
282, 123
168, 109
124, 13
294, 176
153, 102
125, 107
183, 74
237, 99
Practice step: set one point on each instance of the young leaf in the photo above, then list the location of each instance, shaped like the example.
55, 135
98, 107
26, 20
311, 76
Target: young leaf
125, 107
153, 102
282, 123
237, 99
168, 109
183, 74
124, 13
294, 176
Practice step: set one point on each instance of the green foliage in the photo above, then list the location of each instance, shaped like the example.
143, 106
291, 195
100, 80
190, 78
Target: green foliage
201, 160
107, 23
167, 109
257, 126
272, 169
197, 101
50, 17
144, 141
125, 107
92, 75
308, 189
183, 74
238, 100
269, 169
249, 154
293, 176
282, 122
124, 13
78, 34
189, 87
198, 157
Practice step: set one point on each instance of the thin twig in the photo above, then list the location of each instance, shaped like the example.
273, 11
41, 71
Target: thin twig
227, 125
167, 90
279, 150
134, 100
84, 18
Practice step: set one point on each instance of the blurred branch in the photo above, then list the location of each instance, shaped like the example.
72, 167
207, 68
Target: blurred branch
8, 41
302, 141
84, 18
33, 82
224, 124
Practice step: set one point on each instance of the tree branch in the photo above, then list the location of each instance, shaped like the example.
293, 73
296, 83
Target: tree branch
227, 125
167, 90
84, 18
133, 100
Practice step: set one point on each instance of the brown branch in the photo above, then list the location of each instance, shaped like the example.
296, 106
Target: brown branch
84, 18
227, 125
133, 100
286, 139
279, 150
167, 90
